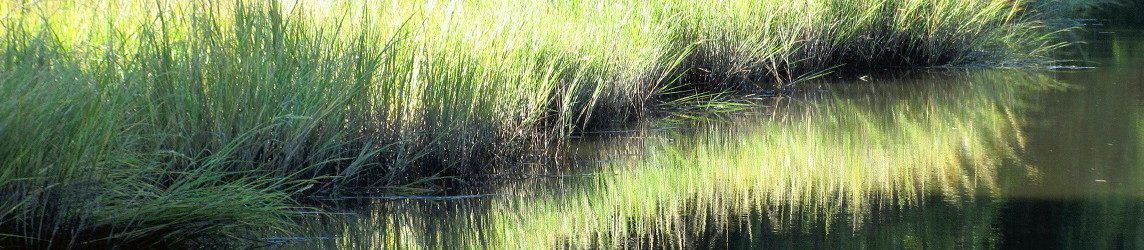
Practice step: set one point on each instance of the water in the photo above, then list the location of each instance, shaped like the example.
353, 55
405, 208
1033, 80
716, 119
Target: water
938, 159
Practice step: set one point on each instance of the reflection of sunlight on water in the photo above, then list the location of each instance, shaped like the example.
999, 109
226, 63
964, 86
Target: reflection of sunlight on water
826, 162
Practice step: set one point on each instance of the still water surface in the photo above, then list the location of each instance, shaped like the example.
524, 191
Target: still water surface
981, 158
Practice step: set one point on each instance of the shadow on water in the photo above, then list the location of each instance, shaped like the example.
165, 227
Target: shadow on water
949, 159
1090, 144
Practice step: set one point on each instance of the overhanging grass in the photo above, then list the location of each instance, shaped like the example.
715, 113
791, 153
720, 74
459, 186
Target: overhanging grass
170, 106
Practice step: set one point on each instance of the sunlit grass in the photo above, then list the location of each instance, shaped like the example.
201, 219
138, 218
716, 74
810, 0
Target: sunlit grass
111, 106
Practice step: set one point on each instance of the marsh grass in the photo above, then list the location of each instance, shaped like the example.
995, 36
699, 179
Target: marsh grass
164, 122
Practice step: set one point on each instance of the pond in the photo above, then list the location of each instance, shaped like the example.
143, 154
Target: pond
943, 158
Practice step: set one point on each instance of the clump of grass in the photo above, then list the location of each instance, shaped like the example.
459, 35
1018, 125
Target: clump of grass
207, 116
859, 36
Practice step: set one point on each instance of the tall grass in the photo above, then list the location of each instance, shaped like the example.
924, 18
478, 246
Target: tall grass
169, 121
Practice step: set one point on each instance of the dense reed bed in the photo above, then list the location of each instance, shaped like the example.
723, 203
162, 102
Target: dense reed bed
168, 122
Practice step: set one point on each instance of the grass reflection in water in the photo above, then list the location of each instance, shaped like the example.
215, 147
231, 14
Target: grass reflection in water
826, 162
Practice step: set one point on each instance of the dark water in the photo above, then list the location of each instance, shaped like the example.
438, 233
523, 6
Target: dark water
939, 159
